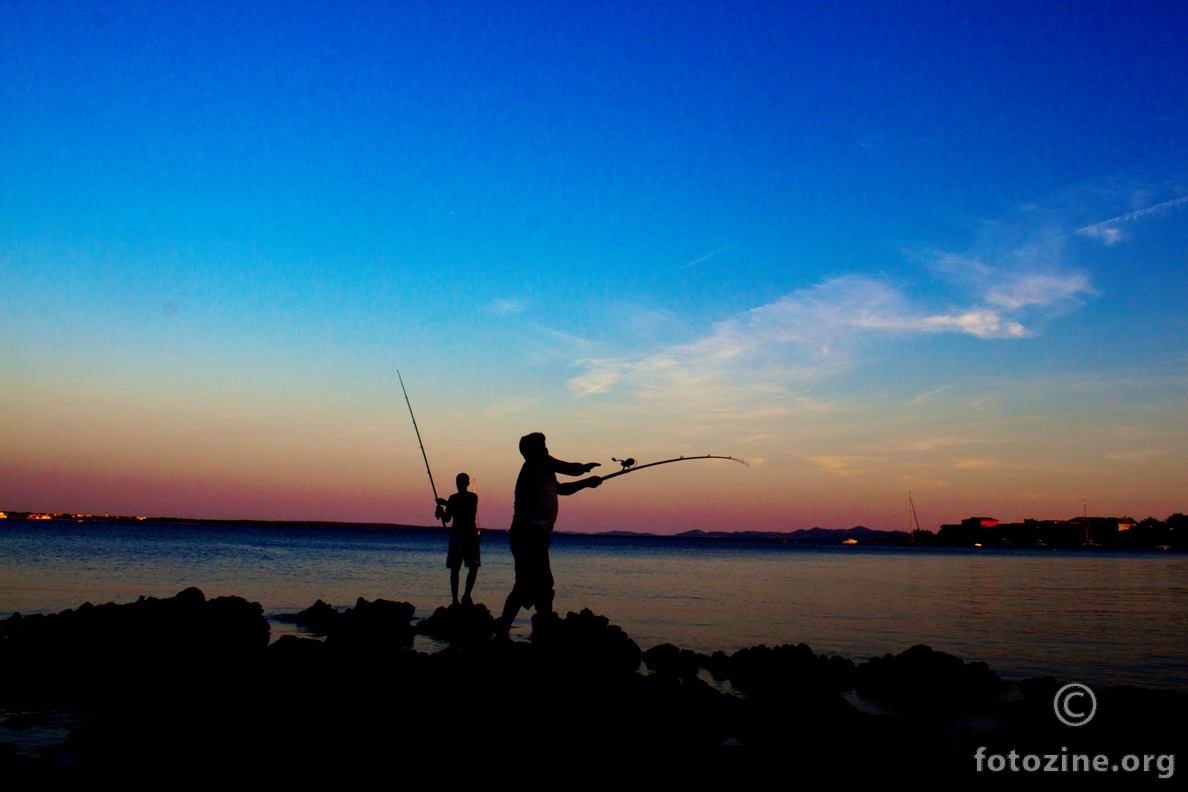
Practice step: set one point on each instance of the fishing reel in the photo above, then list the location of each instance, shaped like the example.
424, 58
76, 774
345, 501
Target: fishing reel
626, 463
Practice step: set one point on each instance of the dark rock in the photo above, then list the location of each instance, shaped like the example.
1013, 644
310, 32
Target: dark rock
381, 625
585, 640
839, 670
760, 666
792, 696
670, 713
921, 679
320, 617
191, 683
459, 623
94, 650
668, 659
719, 665
293, 650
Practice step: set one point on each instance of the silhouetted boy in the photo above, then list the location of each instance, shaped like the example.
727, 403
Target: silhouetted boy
532, 525
462, 508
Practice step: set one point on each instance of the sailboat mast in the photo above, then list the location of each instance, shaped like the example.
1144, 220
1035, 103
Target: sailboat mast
913, 522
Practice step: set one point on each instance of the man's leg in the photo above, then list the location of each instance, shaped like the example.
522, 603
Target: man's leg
512, 606
454, 582
510, 609
544, 601
543, 575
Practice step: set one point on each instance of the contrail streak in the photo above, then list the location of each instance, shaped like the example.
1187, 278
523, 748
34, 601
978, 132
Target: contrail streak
1097, 228
706, 257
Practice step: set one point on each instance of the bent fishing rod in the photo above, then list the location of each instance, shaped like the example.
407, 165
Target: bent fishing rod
629, 465
421, 444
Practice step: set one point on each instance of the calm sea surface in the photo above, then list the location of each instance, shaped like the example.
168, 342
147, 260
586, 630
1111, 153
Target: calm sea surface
1098, 617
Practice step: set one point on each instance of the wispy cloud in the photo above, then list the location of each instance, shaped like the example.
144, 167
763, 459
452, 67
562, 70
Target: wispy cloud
981, 322
1138, 457
799, 333
509, 406
977, 463
814, 333
927, 396
1010, 291
771, 361
505, 307
839, 465
1106, 232
1024, 290
928, 444
599, 377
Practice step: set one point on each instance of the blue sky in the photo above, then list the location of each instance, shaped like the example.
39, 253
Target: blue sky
871, 247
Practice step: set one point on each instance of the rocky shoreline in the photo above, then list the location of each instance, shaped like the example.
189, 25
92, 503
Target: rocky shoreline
194, 682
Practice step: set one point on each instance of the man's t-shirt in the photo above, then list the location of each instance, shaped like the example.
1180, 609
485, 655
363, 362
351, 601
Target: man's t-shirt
536, 491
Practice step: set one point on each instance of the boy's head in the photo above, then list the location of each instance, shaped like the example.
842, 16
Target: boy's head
532, 446
463, 481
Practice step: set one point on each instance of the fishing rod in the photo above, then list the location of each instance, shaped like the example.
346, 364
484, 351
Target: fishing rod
421, 444
629, 465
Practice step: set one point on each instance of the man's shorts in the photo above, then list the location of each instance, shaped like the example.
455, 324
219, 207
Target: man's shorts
464, 549
534, 577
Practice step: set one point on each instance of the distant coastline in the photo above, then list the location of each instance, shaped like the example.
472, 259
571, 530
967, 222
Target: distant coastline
977, 532
119, 518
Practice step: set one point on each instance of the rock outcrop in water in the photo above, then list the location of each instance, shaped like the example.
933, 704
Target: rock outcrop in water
188, 682
460, 623
921, 679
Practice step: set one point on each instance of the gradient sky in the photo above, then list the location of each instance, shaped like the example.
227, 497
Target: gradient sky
872, 248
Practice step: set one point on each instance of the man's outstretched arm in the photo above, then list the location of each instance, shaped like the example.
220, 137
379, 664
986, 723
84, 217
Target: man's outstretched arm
570, 487
571, 468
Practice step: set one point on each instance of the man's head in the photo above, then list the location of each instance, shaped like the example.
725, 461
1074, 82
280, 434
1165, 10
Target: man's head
532, 446
463, 481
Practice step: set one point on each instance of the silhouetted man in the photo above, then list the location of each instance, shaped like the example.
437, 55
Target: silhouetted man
462, 508
537, 489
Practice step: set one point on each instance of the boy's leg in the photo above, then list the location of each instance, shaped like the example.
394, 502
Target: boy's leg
471, 574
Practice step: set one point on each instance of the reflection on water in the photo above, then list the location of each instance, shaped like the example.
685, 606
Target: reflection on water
1078, 615
1086, 616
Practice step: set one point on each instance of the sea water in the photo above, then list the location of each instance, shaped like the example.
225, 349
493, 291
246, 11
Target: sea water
1098, 617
